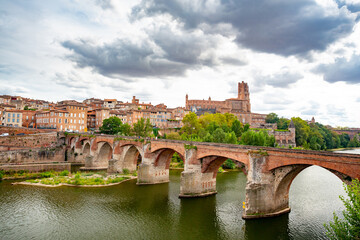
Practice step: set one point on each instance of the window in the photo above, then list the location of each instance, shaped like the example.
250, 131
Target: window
18, 115
83, 115
27, 117
13, 115
13, 120
60, 114
59, 120
74, 114
70, 120
71, 114
65, 120
17, 120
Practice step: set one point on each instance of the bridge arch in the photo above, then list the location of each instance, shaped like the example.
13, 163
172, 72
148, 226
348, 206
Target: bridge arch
104, 154
164, 155
132, 157
86, 149
288, 173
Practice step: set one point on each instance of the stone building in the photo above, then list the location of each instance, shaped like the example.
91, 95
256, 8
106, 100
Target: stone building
239, 106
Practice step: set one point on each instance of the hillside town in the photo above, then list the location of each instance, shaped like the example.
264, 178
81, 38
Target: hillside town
88, 115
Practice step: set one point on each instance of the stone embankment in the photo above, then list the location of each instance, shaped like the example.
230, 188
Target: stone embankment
33, 152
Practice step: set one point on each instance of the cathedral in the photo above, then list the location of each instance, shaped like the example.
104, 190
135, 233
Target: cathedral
239, 106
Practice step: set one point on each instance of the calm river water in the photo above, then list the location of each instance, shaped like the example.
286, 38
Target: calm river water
128, 211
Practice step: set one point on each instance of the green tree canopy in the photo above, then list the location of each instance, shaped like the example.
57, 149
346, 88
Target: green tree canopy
349, 226
272, 118
111, 125
142, 128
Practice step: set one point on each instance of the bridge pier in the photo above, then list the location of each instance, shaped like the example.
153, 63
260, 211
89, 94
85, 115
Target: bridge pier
262, 196
150, 174
194, 183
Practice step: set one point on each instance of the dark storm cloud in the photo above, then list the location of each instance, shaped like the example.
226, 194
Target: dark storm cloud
282, 27
341, 70
164, 53
122, 57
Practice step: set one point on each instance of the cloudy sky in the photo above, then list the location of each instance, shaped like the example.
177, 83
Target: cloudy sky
299, 57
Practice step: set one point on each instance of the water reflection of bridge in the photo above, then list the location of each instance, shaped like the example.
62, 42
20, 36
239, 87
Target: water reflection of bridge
269, 171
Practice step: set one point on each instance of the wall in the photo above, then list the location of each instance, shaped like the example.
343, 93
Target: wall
38, 167
15, 130
30, 141
39, 155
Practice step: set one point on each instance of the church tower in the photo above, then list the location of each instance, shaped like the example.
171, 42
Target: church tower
243, 91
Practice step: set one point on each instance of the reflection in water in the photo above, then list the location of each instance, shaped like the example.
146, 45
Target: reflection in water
268, 228
128, 211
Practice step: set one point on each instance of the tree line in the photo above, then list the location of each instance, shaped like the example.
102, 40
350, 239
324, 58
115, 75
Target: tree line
314, 136
226, 128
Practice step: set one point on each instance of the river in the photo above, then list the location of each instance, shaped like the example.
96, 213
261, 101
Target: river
128, 211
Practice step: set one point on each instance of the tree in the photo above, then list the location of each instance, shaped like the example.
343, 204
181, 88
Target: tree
349, 227
126, 129
191, 124
111, 125
219, 135
237, 128
283, 123
155, 132
354, 142
142, 128
272, 118
173, 136
26, 108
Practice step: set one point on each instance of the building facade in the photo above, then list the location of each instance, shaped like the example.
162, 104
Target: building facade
239, 106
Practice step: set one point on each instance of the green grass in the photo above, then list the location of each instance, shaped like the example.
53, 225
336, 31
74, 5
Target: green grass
78, 179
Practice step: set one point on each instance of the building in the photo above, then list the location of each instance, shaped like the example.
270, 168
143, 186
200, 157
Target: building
239, 106
70, 116
28, 118
12, 118
110, 103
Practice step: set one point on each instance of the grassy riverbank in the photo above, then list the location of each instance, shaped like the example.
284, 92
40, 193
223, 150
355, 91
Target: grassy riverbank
52, 178
23, 174
81, 179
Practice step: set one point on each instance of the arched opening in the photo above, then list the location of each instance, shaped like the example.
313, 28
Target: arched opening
86, 150
211, 166
132, 159
61, 141
166, 156
103, 156
312, 192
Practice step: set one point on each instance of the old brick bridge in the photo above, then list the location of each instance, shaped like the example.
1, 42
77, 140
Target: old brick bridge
270, 171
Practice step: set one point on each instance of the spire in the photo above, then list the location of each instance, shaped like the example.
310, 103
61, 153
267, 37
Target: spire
291, 125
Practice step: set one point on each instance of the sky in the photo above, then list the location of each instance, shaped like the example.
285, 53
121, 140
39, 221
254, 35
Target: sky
300, 58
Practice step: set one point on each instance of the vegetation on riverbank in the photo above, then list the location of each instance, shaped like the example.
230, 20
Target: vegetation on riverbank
80, 179
25, 174
347, 227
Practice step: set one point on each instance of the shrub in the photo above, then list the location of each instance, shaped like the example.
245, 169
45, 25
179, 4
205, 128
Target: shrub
46, 174
229, 164
64, 173
1, 176
220, 170
125, 171
77, 178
